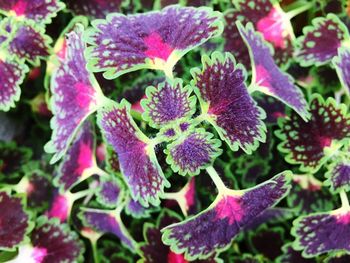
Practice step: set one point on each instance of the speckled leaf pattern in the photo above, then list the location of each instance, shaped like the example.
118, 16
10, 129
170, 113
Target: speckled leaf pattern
136, 155
12, 73
55, 242
167, 102
157, 40
94, 8
306, 143
104, 221
267, 76
41, 11
192, 152
75, 96
214, 229
78, 160
338, 175
342, 66
222, 92
14, 221
319, 233
320, 41
109, 192
269, 19
28, 41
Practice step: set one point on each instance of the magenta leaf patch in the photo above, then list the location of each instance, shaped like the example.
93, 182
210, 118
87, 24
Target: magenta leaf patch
104, 221
342, 66
267, 76
167, 102
14, 221
312, 143
52, 242
192, 152
156, 40
138, 162
94, 8
320, 41
338, 175
226, 103
109, 192
75, 96
213, 229
319, 233
41, 11
269, 19
12, 73
60, 206
28, 41
79, 159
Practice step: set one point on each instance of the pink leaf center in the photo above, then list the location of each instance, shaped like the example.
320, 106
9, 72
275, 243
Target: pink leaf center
84, 158
176, 258
229, 207
39, 254
344, 218
156, 48
59, 208
20, 8
262, 76
84, 96
272, 28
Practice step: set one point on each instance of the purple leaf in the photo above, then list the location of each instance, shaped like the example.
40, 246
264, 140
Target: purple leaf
153, 250
269, 19
37, 187
79, 161
28, 41
214, 228
94, 8
109, 192
136, 210
226, 103
338, 175
193, 152
307, 195
342, 66
312, 143
14, 221
320, 41
52, 242
291, 255
12, 159
75, 96
12, 73
319, 233
156, 40
137, 158
41, 11
267, 76
167, 102
274, 108
104, 221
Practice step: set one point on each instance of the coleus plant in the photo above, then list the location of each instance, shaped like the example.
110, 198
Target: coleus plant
199, 148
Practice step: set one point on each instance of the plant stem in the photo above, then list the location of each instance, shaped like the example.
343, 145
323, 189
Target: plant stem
216, 179
94, 251
344, 200
299, 10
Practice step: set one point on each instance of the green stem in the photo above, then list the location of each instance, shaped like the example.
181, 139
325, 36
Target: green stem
216, 179
299, 10
94, 251
344, 200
